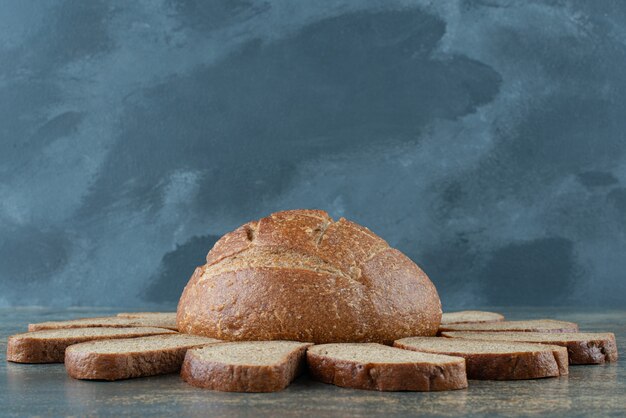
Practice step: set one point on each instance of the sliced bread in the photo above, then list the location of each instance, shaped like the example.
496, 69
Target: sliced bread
49, 346
130, 357
106, 322
468, 317
379, 367
165, 316
535, 325
249, 366
582, 347
496, 360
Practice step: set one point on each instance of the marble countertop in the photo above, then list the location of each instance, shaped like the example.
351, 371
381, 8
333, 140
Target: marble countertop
27, 390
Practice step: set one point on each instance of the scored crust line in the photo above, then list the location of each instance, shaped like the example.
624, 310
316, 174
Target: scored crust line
374, 254
322, 267
251, 231
323, 230
251, 234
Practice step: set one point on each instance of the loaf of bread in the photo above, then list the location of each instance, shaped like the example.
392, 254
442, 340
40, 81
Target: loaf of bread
298, 275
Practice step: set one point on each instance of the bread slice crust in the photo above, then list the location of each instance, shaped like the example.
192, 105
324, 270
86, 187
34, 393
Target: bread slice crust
106, 322
582, 347
48, 346
221, 374
470, 317
413, 373
486, 360
135, 357
534, 325
171, 316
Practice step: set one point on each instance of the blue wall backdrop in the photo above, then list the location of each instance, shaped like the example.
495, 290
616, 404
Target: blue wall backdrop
485, 139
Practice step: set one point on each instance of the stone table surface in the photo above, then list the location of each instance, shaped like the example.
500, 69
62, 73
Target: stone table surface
45, 390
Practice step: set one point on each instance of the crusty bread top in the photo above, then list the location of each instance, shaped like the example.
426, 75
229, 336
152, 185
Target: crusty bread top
92, 332
109, 321
377, 353
163, 316
302, 239
300, 275
535, 325
309, 232
538, 337
463, 317
463, 346
248, 353
141, 344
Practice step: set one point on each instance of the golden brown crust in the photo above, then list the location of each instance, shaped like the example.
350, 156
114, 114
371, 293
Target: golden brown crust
232, 243
268, 306
298, 275
398, 288
228, 377
418, 376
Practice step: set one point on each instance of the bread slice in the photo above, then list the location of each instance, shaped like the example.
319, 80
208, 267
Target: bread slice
130, 357
535, 325
379, 367
249, 366
107, 322
49, 346
582, 347
496, 360
169, 316
468, 317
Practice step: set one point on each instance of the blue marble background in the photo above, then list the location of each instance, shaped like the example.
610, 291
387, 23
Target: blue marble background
485, 139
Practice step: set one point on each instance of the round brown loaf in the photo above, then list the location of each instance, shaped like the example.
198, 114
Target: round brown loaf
299, 275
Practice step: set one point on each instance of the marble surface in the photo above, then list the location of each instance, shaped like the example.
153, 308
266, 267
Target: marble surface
27, 390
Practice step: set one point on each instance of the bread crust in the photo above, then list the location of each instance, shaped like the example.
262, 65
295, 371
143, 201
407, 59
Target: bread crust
591, 348
508, 366
26, 348
85, 365
170, 316
516, 366
594, 351
299, 275
419, 377
534, 325
470, 317
105, 322
226, 377
90, 366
